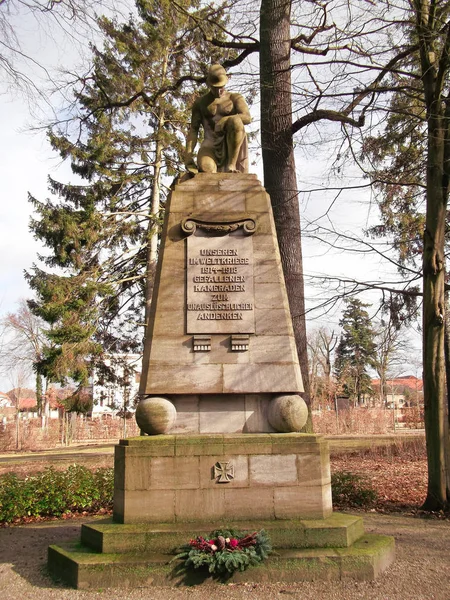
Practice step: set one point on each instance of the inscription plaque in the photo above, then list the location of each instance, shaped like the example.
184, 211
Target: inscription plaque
220, 296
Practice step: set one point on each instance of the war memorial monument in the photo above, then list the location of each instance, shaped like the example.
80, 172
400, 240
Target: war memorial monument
220, 399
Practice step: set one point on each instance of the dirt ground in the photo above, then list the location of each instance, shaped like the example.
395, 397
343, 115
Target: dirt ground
421, 570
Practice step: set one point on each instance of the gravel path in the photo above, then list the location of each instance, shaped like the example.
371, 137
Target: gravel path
420, 572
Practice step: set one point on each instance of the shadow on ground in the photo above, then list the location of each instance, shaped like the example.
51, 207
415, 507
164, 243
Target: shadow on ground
25, 548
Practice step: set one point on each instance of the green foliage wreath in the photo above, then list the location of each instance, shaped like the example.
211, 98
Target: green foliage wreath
225, 551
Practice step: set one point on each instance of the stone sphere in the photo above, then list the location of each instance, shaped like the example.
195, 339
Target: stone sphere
287, 413
155, 415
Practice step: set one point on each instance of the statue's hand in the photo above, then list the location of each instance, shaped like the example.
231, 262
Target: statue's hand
189, 163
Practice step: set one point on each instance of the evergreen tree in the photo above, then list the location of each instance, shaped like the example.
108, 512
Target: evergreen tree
102, 236
356, 351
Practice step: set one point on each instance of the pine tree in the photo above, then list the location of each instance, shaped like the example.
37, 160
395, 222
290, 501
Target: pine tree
102, 236
356, 351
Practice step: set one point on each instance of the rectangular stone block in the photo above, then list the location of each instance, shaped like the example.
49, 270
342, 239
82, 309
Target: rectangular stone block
296, 443
222, 415
242, 183
145, 446
269, 296
248, 503
298, 502
171, 293
257, 201
177, 472
261, 378
209, 201
138, 473
273, 349
248, 444
148, 506
266, 271
273, 470
272, 321
181, 379
311, 472
168, 321
238, 463
188, 415
262, 223
197, 505
199, 445
256, 406
119, 468
171, 350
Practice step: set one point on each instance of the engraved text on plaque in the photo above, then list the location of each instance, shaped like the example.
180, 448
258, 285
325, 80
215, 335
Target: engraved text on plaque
220, 296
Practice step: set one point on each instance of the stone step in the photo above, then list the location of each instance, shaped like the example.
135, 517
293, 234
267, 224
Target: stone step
338, 530
83, 569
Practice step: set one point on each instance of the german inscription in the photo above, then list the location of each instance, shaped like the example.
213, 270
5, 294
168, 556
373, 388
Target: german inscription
220, 296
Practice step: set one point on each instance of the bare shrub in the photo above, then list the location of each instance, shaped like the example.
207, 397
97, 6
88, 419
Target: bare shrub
367, 421
58, 432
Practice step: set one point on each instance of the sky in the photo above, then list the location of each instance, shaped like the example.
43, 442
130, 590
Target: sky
26, 160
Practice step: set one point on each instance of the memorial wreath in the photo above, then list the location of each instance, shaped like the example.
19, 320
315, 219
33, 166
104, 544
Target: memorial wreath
225, 551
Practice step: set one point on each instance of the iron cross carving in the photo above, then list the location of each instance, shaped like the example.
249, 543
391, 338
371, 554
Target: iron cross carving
224, 472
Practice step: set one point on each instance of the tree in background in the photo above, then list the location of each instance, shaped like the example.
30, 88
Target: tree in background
391, 352
103, 235
73, 19
23, 339
321, 345
356, 351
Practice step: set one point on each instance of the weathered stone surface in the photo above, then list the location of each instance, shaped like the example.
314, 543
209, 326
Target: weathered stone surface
261, 465
271, 321
240, 466
287, 413
239, 503
185, 379
219, 414
365, 561
260, 378
207, 503
313, 502
188, 414
178, 472
337, 531
256, 407
155, 415
273, 470
170, 365
272, 349
144, 506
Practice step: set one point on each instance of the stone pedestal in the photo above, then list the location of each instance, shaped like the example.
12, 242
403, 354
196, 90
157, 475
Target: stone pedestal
220, 391
192, 478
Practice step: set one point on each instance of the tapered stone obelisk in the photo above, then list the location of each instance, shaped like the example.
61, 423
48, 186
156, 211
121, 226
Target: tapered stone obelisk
220, 346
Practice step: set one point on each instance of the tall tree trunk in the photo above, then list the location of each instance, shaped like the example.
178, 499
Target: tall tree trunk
436, 424
278, 159
39, 393
152, 232
155, 201
447, 377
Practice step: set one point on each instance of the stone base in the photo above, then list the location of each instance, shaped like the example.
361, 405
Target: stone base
128, 556
179, 478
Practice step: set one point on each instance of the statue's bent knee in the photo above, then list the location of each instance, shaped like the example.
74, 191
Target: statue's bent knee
235, 123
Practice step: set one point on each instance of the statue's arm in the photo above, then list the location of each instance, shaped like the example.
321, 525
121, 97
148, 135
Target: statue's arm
240, 110
192, 137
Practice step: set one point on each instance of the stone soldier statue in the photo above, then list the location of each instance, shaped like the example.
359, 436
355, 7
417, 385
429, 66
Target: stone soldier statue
223, 116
